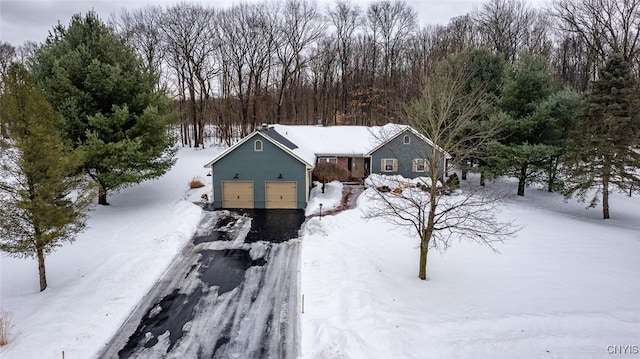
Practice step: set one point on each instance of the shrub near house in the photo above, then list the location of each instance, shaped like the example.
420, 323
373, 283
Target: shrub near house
327, 172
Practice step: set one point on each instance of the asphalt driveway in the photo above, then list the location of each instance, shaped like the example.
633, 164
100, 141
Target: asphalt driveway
232, 293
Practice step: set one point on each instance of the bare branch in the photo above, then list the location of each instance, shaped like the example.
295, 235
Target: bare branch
447, 114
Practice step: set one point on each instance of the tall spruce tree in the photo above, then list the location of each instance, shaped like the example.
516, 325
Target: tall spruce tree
109, 101
43, 196
537, 116
555, 118
605, 148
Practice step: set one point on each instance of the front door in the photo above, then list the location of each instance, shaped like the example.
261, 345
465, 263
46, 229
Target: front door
357, 167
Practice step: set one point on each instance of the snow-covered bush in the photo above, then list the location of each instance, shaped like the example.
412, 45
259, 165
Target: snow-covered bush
396, 183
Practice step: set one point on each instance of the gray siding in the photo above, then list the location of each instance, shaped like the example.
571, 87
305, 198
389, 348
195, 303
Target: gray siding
404, 153
259, 166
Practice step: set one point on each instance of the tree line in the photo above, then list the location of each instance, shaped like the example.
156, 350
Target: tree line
292, 62
230, 69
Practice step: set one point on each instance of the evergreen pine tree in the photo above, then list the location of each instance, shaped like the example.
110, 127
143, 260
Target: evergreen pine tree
43, 197
605, 148
109, 101
537, 117
555, 118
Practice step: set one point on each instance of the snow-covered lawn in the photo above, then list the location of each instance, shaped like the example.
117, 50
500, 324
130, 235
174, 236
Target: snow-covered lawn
95, 282
566, 286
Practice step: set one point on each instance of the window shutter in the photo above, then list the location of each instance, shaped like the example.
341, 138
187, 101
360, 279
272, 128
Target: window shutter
382, 165
395, 165
414, 165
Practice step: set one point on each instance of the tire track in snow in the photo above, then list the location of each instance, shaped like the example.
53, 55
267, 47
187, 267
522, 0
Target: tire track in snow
223, 298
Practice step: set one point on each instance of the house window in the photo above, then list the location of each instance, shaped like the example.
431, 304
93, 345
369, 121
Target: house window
406, 139
257, 146
389, 165
419, 165
333, 160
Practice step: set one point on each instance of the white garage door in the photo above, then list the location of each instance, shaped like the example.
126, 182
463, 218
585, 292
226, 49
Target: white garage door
237, 194
281, 195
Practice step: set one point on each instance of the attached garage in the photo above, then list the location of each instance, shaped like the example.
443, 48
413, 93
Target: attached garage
237, 194
263, 170
281, 194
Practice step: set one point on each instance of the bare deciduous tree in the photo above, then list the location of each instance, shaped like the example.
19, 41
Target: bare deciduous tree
391, 24
189, 50
323, 70
604, 26
445, 114
247, 40
236, 67
7, 56
346, 18
506, 26
142, 29
297, 28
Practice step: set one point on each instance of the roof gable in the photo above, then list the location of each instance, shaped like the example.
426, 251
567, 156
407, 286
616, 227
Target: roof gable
284, 148
416, 133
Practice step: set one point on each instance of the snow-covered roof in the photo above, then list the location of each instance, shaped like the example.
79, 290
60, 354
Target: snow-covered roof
339, 140
302, 152
345, 140
307, 142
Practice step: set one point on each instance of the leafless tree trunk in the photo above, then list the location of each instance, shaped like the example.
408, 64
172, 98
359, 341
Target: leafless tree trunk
189, 43
604, 26
505, 26
246, 35
323, 73
141, 28
296, 29
346, 19
391, 24
438, 214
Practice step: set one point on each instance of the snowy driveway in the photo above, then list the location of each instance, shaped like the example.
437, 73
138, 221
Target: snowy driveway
232, 293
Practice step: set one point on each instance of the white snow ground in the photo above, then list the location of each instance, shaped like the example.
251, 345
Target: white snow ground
95, 282
330, 199
566, 286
